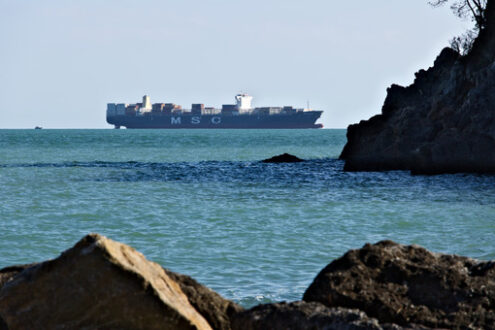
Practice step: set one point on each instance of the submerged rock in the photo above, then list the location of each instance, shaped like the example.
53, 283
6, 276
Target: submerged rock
443, 123
283, 158
408, 284
98, 283
302, 315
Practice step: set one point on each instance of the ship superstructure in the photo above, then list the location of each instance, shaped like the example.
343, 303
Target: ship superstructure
238, 115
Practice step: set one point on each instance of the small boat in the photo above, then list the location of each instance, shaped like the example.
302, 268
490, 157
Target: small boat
38, 127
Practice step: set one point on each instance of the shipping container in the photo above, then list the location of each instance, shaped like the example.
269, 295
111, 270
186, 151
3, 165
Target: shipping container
197, 108
157, 107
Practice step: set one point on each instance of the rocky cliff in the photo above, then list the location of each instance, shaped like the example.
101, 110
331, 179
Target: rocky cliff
443, 123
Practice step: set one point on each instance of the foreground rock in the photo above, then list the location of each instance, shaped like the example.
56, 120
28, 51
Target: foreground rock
8, 273
443, 123
302, 315
283, 158
213, 307
98, 283
408, 284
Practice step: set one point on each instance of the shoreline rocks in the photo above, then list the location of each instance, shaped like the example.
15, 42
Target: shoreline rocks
100, 283
443, 123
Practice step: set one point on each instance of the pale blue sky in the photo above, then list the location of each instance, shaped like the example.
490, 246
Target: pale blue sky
63, 60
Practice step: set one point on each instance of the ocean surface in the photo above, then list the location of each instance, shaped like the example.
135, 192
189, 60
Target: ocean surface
200, 202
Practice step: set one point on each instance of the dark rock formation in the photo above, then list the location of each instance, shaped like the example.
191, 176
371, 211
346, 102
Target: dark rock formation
284, 158
96, 284
8, 273
408, 284
302, 315
443, 123
213, 307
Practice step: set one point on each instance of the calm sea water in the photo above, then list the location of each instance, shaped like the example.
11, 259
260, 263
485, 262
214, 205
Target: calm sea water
199, 202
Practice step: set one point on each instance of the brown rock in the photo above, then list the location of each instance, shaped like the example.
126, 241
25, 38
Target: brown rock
213, 307
302, 315
100, 284
408, 284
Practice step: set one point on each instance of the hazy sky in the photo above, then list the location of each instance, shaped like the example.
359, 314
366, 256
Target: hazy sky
61, 61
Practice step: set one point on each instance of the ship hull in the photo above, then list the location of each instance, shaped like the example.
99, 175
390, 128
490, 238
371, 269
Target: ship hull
304, 119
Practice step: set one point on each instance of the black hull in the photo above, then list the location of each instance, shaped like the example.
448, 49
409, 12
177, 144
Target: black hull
305, 119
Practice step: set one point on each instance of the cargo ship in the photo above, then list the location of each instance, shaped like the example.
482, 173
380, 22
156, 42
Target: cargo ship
238, 115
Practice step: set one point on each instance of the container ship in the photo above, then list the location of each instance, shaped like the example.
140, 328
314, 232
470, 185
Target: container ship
238, 115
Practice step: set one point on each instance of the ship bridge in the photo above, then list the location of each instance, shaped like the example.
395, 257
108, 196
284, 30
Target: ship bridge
243, 102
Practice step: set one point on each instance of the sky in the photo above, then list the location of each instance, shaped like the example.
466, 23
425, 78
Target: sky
62, 61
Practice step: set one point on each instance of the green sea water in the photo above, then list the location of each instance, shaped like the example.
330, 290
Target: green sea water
199, 202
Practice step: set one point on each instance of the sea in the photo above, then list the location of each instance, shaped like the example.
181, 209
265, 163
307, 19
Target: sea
201, 203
